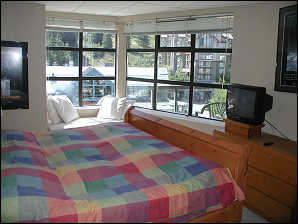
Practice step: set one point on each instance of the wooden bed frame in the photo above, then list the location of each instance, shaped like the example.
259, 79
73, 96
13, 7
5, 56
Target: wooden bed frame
229, 154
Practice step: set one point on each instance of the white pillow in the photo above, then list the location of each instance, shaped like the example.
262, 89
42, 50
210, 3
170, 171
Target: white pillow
65, 109
102, 99
53, 115
112, 108
128, 104
108, 108
122, 104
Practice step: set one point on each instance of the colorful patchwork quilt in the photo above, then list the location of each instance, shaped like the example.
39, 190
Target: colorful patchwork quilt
107, 173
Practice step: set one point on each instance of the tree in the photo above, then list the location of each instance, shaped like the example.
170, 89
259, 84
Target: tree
57, 57
219, 95
107, 41
97, 38
178, 76
143, 41
70, 39
140, 60
129, 42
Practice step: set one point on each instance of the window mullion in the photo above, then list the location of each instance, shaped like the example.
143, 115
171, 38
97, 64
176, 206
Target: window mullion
80, 69
192, 58
116, 63
157, 40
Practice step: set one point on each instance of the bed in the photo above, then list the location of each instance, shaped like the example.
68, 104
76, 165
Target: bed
145, 169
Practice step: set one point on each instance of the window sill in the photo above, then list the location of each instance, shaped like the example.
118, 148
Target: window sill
201, 124
88, 107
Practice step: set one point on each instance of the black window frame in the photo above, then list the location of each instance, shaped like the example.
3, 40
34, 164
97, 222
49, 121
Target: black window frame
191, 84
81, 78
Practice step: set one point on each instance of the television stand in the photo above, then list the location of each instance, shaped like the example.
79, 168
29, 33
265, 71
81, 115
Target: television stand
272, 171
242, 129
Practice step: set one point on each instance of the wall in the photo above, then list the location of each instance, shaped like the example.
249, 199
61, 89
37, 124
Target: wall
254, 59
25, 22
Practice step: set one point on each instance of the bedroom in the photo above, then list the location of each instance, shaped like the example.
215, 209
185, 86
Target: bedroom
253, 60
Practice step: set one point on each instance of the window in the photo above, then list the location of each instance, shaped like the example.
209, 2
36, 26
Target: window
81, 65
179, 73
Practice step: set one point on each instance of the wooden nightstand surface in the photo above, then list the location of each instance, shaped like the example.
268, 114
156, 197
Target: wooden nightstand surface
281, 145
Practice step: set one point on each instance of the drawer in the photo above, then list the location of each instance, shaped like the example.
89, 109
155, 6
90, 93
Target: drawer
267, 207
273, 164
271, 186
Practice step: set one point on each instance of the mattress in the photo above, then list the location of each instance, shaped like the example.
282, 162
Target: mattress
111, 172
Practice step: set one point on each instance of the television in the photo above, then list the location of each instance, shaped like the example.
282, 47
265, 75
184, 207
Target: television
14, 75
247, 104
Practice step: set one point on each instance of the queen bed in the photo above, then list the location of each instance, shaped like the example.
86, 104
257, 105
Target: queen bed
145, 169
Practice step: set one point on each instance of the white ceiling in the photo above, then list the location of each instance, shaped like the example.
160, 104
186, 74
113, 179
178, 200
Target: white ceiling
129, 8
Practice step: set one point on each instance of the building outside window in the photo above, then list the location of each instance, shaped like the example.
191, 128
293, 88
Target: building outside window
179, 73
81, 65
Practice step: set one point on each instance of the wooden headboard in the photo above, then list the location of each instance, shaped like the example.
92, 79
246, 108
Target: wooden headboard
229, 154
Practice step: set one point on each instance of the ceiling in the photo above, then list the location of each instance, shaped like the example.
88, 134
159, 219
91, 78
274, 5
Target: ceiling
129, 8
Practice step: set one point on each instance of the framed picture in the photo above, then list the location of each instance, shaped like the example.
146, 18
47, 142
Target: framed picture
14, 75
286, 69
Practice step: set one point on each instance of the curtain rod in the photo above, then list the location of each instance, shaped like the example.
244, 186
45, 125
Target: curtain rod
174, 20
181, 18
63, 29
177, 32
79, 20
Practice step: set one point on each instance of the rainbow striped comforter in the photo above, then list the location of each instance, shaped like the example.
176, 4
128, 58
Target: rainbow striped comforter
107, 173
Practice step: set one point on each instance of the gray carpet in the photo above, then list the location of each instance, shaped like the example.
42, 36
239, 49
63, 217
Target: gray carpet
250, 217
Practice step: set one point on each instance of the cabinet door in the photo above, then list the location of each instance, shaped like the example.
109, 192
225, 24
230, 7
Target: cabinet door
267, 207
271, 163
275, 188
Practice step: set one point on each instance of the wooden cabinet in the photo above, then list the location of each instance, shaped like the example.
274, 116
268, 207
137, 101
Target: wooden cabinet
271, 175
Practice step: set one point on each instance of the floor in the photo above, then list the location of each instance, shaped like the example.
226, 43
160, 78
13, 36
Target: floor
250, 217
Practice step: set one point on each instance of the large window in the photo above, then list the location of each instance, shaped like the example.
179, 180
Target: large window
81, 65
180, 73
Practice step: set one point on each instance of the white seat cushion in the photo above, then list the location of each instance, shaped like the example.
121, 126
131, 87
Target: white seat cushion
81, 122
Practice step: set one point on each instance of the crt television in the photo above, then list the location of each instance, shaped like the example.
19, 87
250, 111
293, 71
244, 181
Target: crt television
14, 75
247, 104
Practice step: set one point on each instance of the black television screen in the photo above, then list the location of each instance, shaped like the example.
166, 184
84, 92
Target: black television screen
247, 104
14, 75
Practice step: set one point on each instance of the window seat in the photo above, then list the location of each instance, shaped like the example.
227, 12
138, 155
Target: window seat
87, 117
81, 122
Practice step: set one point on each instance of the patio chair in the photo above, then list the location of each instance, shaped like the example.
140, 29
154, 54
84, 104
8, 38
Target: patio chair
216, 110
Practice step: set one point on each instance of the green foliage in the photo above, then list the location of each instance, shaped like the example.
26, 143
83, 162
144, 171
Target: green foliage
140, 60
57, 57
107, 41
128, 42
70, 39
97, 38
227, 78
178, 76
219, 95
140, 41
143, 41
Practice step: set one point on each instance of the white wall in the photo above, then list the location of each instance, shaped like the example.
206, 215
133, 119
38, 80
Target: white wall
254, 61
25, 22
